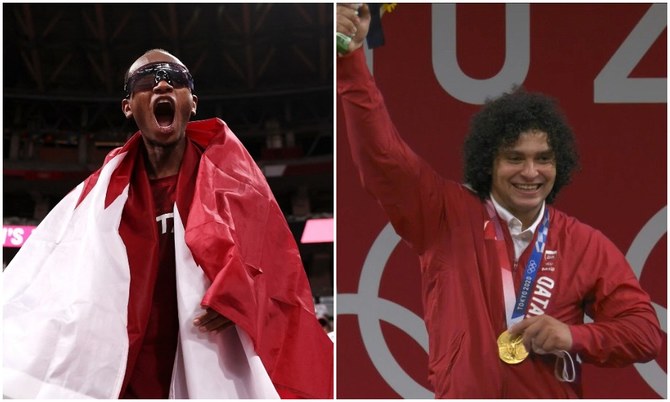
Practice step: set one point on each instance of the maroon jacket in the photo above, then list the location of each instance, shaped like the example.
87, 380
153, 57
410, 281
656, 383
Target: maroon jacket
461, 281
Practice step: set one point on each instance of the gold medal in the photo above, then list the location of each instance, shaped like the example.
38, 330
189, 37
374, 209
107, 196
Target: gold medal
511, 351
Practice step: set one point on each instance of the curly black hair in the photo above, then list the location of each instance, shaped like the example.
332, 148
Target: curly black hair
498, 125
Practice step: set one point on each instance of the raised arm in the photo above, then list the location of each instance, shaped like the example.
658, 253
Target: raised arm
410, 191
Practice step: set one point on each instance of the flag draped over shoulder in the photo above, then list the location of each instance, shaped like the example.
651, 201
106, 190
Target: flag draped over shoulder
239, 236
239, 258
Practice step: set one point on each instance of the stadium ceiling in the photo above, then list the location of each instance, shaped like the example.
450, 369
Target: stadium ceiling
64, 63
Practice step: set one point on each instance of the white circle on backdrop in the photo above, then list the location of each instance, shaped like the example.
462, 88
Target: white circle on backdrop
638, 252
371, 309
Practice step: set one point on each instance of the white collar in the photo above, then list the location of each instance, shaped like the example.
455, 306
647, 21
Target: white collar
512, 221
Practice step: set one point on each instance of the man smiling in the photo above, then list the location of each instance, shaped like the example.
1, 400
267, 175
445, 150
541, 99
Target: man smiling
169, 272
506, 277
524, 175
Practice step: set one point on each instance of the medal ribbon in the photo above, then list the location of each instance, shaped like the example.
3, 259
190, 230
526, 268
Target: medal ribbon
514, 311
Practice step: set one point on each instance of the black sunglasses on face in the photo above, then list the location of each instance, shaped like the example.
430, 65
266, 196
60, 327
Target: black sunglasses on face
148, 76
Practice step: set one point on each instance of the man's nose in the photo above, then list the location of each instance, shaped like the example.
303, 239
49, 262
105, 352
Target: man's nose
529, 169
162, 80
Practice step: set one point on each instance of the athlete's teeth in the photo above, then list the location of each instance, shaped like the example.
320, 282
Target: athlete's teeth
527, 187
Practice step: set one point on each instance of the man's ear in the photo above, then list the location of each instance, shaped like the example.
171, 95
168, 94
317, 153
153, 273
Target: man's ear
194, 105
125, 108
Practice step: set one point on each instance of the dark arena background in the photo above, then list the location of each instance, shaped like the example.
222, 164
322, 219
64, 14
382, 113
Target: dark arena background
265, 69
607, 66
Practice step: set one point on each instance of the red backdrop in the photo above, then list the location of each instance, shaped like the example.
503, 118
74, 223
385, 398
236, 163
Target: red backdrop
606, 64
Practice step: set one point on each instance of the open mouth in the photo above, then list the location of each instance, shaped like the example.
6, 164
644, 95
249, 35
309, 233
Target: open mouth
164, 112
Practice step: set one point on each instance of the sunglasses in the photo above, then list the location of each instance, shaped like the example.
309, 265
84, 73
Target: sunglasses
148, 76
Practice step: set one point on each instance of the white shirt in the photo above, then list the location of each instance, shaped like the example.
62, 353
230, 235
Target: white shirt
521, 238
